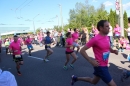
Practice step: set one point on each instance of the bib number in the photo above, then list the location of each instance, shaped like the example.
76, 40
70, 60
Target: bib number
106, 56
71, 47
17, 56
48, 44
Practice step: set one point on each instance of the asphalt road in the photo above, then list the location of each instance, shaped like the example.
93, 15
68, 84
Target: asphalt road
35, 72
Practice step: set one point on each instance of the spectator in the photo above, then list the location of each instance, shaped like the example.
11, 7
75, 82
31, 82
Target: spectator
7, 79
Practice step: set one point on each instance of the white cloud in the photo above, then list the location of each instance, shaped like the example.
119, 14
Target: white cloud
108, 3
126, 6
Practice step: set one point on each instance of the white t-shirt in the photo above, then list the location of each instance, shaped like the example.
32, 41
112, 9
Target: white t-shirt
7, 79
35, 37
129, 31
110, 33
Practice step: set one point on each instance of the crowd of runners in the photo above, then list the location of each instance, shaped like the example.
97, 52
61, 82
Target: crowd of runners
102, 39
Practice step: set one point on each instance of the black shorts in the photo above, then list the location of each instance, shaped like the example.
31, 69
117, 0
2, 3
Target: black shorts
117, 37
68, 52
47, 47
17, 59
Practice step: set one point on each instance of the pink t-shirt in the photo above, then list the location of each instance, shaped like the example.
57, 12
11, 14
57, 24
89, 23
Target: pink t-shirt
75, 36
69, 41
28, 41
101, 48
11, 40
116, 31
123, 41
16, 47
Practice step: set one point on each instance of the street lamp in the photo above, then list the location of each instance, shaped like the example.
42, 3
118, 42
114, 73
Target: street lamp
61, 15
33, 22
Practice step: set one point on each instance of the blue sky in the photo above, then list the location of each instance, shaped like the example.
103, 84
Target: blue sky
20, 13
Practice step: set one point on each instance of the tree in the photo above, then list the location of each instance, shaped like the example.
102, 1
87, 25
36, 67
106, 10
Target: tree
38, 30
30, 32
115, 17
111, 18
125, 22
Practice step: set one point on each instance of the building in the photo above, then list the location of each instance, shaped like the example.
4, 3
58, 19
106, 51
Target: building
14, 30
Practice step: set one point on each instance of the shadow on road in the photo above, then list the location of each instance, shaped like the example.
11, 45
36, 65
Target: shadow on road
124, 55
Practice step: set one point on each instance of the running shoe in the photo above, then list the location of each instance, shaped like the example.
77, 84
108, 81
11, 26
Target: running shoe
46, 60
73, 79
48, 57
30, 55
122, 50
119, 50
71, 66
19, 73
65, 68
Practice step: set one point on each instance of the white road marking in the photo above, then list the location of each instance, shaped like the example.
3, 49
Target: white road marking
35, 57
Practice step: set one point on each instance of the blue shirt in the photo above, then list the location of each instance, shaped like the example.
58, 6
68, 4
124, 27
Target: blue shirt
47, 40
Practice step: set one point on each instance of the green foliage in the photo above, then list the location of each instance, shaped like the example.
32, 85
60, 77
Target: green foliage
30, 32
125, 22
86, 15
38, 30
111, 18
89, 29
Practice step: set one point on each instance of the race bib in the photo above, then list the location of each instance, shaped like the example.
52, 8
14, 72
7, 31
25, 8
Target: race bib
71, 47
7, 46
17, 56
106, 56
48, 44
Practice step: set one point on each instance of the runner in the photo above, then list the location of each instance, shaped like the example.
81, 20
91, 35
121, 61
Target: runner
101, 48
15, 48
69, 51
7, 78
75, 37
7, 43
29, 45
48, 42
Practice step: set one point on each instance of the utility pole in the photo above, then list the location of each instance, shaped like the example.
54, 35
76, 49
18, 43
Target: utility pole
121, 17
34, 24
61, 16
58, 20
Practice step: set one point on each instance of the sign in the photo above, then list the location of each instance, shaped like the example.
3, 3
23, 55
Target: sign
117, 7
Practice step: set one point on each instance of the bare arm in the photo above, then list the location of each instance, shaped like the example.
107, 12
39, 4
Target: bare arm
84, 54
95, 63
113, 51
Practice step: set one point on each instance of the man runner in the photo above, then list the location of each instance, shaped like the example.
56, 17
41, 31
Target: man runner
29, 45
15, 48
101, 48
